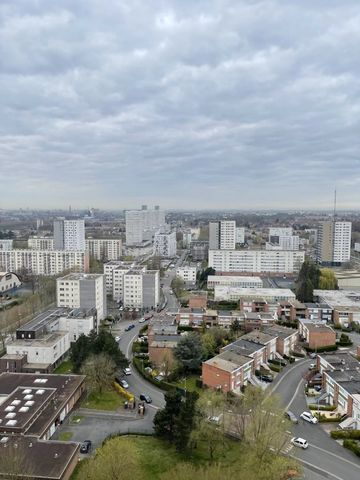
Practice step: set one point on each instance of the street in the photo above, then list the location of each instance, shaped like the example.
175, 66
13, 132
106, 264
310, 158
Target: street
324, 455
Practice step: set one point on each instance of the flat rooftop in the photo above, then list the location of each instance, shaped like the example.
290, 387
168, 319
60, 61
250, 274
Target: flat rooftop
258, 337
43, 319
279, 331
46, 340
339, 298
348, 379
42, 459
276, 293
234, 278
81, 276
317, 327
341, 360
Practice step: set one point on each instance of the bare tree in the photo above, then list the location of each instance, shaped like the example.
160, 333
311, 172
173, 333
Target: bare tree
99, 370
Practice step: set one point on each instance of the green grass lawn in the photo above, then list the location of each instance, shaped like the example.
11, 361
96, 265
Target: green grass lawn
156, 457
65, 436
190, 384
65, 367
108, 400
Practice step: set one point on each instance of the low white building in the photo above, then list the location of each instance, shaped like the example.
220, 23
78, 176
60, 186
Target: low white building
44, 262
234, 281
165, 244
225, 293
256, 261
240, 235
47, 350
78, 290
8, 281
187, 274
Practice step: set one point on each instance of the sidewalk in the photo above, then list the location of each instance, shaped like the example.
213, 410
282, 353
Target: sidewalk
123, 415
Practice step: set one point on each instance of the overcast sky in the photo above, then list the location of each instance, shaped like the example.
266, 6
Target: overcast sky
185, 103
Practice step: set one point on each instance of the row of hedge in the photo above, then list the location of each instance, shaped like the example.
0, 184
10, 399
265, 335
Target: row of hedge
162, 385
342, 434
297, 354
275, 368
352, 445
326, 408
329, 348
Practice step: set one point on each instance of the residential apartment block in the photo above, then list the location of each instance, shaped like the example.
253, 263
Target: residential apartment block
165, 244
187, 274
141, 225
141, 289
44, 262
316, 335
256, 261
8, 281
333, 242
41, 243
222, 235
78, 290
104, 249
6, 244
344, 305
69, 234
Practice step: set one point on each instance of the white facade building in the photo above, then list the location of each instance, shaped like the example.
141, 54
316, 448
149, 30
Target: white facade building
141, 289
187, 274
69, 234
270, 294
8, 281
234, 281
44, 262
165, 244
222, 235
240, 235
256, 261
280, 231
333, 242
46, 350
141, 225
6, 244
41, 243
84, 291
104, 249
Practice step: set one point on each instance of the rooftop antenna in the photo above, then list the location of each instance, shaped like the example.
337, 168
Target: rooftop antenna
335, 204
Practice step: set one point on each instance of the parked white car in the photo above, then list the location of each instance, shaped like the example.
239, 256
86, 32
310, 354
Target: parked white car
127, 371
309, 417
300, 442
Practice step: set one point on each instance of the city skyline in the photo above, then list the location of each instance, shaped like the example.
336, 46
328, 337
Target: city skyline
219, 105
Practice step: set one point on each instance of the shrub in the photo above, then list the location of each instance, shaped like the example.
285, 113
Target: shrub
297, 354
275, 368
353, 446
324, 419
342, 434
199, 383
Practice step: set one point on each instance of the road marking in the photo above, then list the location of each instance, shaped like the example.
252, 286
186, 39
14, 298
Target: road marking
335, 455
287, 373
295, 393
130, 344
316, 468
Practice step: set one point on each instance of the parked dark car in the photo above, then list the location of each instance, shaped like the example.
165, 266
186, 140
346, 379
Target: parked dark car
266, 378
85, 446
145, 398
291, 416
129, 327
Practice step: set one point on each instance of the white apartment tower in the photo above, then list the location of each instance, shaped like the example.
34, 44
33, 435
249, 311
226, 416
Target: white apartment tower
222, 235
141, 289
333, 242
141, 225
69, 234
165, 244
78, 290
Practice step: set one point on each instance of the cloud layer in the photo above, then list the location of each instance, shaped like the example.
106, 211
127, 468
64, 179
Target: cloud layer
207, 104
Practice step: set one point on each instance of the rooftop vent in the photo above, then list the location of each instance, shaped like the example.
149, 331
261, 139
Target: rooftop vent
10, 415
28, 397
9, 408
40, 392
24, 409
4, 439
16, 402
40, 380
30, 403
27, 391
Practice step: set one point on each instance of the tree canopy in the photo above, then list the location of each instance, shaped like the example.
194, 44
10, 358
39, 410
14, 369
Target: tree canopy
189, 353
